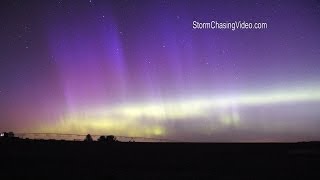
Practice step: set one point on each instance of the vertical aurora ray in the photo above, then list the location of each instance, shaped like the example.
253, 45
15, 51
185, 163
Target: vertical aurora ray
114, 58
90, 60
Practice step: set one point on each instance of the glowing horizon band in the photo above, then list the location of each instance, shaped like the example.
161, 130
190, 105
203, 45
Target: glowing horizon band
201, 103
131, 119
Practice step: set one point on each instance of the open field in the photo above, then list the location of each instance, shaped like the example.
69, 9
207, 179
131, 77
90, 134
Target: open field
57, 159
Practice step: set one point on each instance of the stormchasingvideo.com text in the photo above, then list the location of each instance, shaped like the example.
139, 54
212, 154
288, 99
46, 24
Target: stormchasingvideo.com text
235, 25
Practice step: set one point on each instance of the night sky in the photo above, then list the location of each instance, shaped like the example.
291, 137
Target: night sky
139, 68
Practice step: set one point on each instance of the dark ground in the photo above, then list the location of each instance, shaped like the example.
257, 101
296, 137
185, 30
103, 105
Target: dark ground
79, 160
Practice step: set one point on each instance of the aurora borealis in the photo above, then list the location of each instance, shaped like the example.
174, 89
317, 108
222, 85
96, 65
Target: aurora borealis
138, 68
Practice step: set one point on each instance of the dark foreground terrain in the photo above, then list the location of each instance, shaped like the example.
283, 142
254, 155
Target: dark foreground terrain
60, 159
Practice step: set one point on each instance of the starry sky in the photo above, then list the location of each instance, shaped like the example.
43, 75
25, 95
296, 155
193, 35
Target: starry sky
139, 68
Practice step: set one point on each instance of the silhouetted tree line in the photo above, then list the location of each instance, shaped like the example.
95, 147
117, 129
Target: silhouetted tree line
7, 135
108, 139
